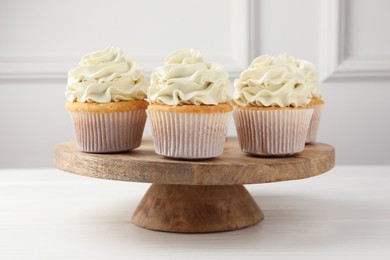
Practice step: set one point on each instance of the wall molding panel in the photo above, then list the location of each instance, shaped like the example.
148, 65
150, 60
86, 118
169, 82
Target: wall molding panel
242, 50
335, 63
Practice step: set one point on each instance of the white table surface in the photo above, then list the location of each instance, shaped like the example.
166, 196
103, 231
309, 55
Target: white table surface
49, 214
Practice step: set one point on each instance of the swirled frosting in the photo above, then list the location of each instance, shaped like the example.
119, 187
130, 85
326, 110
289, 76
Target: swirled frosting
187, 79
310, 72
276, 81
105, 76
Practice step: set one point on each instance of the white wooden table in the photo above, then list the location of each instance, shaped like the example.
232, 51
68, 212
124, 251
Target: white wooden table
49, 214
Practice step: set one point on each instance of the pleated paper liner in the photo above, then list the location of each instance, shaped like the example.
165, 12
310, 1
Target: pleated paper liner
315, 121
108, 132
272, 132
189, 135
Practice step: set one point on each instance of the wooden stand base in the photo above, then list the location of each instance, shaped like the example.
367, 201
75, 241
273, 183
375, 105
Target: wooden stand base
196, 196
196, 208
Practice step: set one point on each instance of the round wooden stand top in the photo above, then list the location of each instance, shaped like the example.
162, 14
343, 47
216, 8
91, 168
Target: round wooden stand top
232, 168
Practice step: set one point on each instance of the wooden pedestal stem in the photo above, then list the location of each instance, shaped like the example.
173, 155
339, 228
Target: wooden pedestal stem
196, 208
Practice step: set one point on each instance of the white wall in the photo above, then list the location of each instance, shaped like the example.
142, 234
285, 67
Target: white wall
348, 41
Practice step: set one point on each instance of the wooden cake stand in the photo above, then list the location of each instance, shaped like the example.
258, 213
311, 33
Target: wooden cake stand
196, 196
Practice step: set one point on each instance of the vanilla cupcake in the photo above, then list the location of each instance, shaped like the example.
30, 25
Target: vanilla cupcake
188, 108
105, 98
271, 113
316, 102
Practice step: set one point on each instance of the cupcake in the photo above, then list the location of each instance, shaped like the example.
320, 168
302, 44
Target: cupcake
105, 98
271, 113
189, 108
316, 101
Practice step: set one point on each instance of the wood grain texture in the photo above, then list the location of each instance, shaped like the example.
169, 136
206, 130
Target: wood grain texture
196, 208
232, 168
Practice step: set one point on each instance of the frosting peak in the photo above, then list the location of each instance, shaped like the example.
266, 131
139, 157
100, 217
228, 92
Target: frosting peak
98, 57
280, 81
105, 76
187, 79
185, 56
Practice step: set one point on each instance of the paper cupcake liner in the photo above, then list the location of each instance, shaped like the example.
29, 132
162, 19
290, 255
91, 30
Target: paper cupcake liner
108, 132
272, 132
314, 122
189, 135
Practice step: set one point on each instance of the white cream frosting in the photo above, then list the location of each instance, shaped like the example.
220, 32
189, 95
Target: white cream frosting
276, 81
187, 79
105, 76
311, 77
